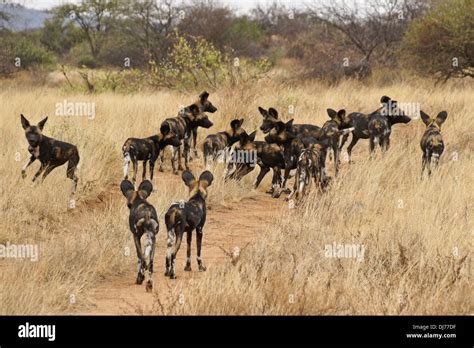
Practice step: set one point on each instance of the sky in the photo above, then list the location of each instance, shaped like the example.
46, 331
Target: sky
240, 5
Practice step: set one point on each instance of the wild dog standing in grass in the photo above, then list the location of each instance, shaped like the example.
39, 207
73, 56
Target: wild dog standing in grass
143, 220
182, 126
432, 143
50, 152
204, 106
292, 144
308, 167
185, 217
147, 149
360, 122
269, 156
214, 143
331, 130
270, 120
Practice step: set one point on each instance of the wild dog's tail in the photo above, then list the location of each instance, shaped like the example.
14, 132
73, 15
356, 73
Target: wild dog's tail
345, 130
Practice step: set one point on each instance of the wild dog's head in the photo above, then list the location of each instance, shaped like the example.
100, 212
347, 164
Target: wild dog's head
135, 197
204, 104
197, 187
236, 130
434, 123
337, 116
198, 118
270, 118
246, 144
33, 133
392, 111
166, 137
281, 133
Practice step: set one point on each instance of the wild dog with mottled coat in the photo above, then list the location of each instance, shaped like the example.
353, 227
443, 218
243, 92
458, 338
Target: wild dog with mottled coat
215, 143
432, 143
292, 144
146, 150
331, 130
50, 152
308, 167
360, 122
269, 156
143, 220
270, 120
186, 217
182, 126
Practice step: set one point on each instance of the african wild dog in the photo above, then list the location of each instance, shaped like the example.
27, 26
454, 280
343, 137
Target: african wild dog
270, 119
331, 130
50, 152
308, 167
282, 134
142, 220
432, 143
182, 126
147, 149
185, 217
215, 143
360, 122
204, 106
269, 156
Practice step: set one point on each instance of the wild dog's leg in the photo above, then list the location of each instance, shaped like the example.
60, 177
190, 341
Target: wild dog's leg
47, 171
351, 146
174, 156
169, 250
428, 160
149, 254
144, 170
261, 175
188, 251
194, 142
40, 170
71, 171
423, 164
387, 142
177, 244
295, 186
141, 260
126, 163
372, 143
135, 169
30, 161
152, 168
276, 180
199, 235
335, 149
343, 141
186, 150
162, 159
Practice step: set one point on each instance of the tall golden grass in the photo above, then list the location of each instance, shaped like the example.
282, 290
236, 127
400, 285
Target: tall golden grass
416, 257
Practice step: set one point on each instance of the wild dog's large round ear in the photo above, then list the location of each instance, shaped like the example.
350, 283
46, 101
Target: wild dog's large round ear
273, 113
385, 99
194, 109
332, 113
241, 121
289, 124
252, 135
206, 178
165, 128
24, 122
203, 96
188, 178
263, 112
42, 123
234, 124
341, 114
145, 189
425, 118
441, 117
127, 188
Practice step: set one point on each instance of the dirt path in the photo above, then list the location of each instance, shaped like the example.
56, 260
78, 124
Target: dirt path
236, 225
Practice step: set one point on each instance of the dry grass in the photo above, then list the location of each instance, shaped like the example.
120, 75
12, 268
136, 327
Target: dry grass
409, 266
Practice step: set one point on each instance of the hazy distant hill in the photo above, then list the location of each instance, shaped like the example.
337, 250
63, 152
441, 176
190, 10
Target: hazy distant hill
23, 18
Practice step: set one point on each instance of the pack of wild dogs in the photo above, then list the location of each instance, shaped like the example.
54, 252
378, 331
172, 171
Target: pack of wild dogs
287, 147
